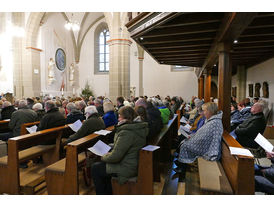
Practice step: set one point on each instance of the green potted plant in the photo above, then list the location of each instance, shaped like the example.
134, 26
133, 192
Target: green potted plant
86, 92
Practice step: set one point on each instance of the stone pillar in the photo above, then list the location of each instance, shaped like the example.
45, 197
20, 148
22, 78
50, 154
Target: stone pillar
208, 87
119, 48
224, 81
201, 87
241, 83
141, 63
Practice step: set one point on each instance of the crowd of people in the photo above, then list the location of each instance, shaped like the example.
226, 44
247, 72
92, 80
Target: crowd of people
138, 119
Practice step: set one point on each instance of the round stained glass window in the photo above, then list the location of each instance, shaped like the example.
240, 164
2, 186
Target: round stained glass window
60, 59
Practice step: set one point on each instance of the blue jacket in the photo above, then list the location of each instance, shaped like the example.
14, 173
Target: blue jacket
110, 119
245, 114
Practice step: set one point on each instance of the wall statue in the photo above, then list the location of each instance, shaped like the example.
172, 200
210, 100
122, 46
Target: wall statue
257, 90
250, 89
265, 90
51, 75
71, 74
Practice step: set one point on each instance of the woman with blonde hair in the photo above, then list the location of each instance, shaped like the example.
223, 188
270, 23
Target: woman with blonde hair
206, 142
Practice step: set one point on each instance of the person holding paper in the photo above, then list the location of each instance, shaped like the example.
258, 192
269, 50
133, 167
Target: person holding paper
264, 176
206, 142
93, 123
249, 129
122, 161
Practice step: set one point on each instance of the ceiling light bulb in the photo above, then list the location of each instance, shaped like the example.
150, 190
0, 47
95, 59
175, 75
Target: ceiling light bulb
235, 41
141, 38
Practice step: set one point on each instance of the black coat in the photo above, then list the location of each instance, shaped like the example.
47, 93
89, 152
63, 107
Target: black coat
249, 129
40, 113
52, 118
7, 111
155, 123
100, 111
74, 116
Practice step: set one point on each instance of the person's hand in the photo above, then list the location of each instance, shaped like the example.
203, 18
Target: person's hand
270, 155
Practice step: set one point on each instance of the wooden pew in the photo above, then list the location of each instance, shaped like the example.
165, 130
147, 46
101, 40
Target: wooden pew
23, 148
234, 174
148, 169
180, 112
4, 126
269, 132
62, 177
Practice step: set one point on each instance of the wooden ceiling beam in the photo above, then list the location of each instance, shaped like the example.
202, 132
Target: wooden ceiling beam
180, 55
180, 58
179, 39
194, 18
182, 51
184, 46
192, 29
180, 44
232, 26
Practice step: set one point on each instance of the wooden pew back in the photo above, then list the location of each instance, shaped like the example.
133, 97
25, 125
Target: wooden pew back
24, 148
24, 130
4, 126
238, 169
68, 176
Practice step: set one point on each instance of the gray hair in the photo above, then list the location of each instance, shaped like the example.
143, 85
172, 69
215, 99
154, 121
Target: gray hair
108, 106
22, 103
80, 104
49, 105
71, 106
37, 106
6, 104
260, 105
90, 110
211, 107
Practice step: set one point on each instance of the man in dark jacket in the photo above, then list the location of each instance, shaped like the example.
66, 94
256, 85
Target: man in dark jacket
22, 116
93, 123
7, 110
249, 129
52, 118
73, 114
99, 107
155, 123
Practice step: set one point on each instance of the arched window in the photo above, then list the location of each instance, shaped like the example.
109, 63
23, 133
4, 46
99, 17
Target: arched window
101, 49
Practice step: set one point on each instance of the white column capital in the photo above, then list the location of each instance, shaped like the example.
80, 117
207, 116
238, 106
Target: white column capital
112, 42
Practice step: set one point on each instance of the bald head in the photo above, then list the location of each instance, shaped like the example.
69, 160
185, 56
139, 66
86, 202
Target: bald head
257, 108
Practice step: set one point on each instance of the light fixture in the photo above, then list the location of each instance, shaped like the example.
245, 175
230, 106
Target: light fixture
141, 38
214, 65
72, 25
235, 41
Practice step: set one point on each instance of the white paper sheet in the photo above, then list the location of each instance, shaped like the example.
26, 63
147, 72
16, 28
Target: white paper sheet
76, 125
6, 119
100, 148
183, 120
32, 129
183, 132
264, 143
102, 132
150, 148
240, 151
185, 128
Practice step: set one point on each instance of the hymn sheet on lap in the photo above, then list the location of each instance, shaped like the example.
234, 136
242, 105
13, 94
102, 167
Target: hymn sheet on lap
183, 120
264, 143
240, 151
76, 125
100, 148
102, 132
32, 129
185, 128
150, 148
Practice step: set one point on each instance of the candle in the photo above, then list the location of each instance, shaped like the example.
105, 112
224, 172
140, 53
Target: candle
62, 91
73, 91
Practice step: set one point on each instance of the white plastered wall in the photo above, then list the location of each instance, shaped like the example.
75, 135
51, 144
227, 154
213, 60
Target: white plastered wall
54, 36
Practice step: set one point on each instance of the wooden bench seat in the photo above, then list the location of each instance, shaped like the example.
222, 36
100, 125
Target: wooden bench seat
62, 177
4, 126
234, 174
213, 177
27, 147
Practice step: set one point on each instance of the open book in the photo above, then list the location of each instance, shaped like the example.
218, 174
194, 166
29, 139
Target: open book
100, 148
183, 120
185, 128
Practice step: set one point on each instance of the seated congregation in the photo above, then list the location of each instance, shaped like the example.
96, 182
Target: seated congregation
136, 122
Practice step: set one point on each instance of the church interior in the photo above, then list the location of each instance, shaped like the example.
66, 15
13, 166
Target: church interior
169, 60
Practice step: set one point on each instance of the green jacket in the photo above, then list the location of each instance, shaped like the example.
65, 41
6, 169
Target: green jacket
165, 114
22, 116
123, 159
92, 124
